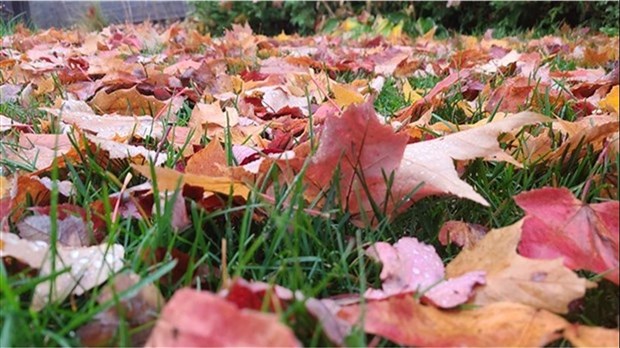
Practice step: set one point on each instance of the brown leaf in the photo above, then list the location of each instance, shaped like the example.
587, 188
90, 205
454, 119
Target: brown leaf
510, 277
463, 234
209, 161
194, 318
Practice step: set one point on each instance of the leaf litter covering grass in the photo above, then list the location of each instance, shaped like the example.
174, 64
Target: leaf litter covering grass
273, 174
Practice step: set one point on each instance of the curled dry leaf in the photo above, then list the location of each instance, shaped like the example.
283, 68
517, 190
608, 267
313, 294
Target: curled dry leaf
405, 321
545, 284
86, 268
557, 225
194, 318
410, 266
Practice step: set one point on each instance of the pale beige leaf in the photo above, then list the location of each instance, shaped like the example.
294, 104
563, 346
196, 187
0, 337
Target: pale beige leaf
431, 162
86, 267
544, 284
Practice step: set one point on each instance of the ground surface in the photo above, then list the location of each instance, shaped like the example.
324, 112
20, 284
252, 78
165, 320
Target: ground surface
361, 188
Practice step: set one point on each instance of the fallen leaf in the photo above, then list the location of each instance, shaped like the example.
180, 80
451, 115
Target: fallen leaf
86, 267
404, 321
210, 161
364, 151
127, 102
610, 102
463, 234
345, 95
431, 162
138, 310
410, 266
544, 284
194, 318
588, 336
557, 225
171, 180
212, 114
71, 231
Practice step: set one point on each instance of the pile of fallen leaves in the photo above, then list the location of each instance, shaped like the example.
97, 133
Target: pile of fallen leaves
172, 115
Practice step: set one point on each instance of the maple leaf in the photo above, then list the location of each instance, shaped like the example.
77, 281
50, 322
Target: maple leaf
194, 318
86, 267
545, 284
365, 152
431, 162
405, 321
557, 225
411, 266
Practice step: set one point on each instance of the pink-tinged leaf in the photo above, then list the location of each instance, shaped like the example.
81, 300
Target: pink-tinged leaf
404, 321
360, 146
557, 225
411, 266
198, 319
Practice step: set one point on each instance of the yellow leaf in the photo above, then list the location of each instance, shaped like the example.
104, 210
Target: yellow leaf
170, 180
5, 187
344, 96
397, 31
411, 96
610, 103
350, 24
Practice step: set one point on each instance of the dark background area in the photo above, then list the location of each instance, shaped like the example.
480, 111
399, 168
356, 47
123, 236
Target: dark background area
308, 17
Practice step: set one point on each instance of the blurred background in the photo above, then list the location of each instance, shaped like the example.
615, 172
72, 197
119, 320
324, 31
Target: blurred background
309, 17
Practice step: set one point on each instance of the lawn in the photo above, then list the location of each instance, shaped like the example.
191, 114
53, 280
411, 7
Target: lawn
360, 187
